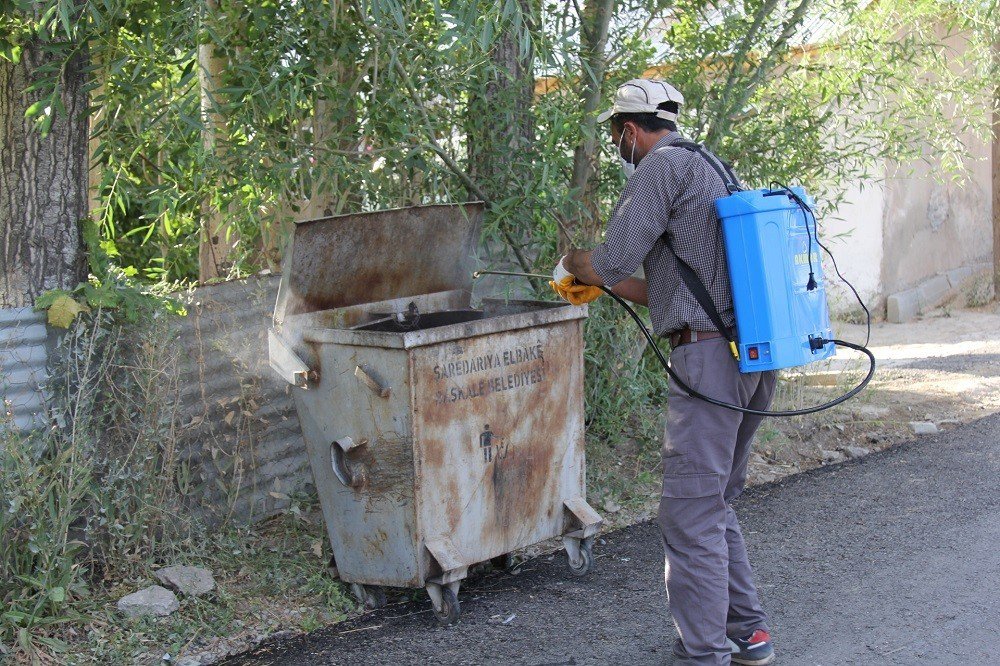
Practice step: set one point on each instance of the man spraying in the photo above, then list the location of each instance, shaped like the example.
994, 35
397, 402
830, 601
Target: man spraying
666, 213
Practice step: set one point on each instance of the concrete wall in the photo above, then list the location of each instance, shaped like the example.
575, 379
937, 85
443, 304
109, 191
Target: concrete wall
938, 231
853, 232
915, 241
934, 227
936, 234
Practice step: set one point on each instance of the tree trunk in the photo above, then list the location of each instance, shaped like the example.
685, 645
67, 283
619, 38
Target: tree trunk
501, 129
501, 135
43, 183
593, 64
335, 123
94, 174
217, 240
737, 63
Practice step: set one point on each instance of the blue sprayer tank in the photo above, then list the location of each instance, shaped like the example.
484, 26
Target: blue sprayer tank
768, 250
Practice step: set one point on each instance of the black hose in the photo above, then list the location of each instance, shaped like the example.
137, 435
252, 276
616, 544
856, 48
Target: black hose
746, 410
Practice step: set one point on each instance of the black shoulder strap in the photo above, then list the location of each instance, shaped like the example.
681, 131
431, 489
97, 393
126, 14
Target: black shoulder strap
697, 288
721, 167
690, 278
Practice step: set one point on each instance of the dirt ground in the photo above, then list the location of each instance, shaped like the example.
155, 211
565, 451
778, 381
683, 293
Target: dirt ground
886, 560
932, 374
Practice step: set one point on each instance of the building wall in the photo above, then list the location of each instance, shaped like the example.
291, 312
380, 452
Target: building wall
933, 227
936, 239
937, 228
853, 232
914, 240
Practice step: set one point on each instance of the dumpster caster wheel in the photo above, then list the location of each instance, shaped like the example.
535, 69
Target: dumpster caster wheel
370, 596
450, 609
503, 562
581, 565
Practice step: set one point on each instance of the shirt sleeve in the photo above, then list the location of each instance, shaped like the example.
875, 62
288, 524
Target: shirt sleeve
639, 219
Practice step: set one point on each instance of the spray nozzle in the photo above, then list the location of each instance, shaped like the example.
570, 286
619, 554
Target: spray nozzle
409, 319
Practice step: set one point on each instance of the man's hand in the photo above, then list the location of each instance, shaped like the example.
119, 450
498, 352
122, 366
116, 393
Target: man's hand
564, 283
578, 263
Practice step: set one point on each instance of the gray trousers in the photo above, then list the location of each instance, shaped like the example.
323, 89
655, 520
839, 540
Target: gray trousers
706, 449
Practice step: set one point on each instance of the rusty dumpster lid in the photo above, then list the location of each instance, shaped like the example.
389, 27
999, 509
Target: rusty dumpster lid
335, 262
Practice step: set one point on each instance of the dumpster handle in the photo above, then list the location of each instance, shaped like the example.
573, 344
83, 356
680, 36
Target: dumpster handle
371, 379
352, 478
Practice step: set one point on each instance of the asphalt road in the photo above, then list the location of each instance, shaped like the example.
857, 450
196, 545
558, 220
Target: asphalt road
892, 559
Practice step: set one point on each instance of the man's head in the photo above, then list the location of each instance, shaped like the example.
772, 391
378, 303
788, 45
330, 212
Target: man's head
644, 110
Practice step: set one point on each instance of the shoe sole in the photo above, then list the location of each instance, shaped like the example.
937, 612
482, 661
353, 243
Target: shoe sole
755, 662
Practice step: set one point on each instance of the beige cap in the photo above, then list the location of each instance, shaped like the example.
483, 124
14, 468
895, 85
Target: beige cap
643, 96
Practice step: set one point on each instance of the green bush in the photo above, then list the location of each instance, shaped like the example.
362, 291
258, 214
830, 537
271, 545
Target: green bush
88, 497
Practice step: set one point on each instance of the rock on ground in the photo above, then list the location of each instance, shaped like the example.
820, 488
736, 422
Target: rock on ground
153, 600
830, 457
872, 411
189, 581
923, 427
856, 451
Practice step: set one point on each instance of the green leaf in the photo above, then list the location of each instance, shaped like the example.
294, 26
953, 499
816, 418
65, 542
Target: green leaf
64, 18
47, 16
34, 109
101, 296
57, 594
109, 248
45, 301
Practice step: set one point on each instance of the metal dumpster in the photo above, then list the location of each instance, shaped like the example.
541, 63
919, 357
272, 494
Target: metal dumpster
439, 436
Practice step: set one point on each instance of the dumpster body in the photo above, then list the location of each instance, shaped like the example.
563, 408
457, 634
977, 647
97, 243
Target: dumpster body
439, 436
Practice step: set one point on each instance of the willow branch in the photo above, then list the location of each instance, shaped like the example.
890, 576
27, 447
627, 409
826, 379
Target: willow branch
432, 142
762, 70
740, 56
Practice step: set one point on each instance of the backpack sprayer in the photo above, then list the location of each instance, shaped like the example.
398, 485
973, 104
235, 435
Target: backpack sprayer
782, 318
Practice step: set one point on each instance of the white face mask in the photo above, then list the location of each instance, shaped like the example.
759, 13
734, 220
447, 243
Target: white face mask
627, 165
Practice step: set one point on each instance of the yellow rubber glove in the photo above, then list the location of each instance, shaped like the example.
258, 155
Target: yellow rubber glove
574, 292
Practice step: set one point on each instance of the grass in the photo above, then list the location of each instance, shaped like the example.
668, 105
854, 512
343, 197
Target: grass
269, 578
91, 507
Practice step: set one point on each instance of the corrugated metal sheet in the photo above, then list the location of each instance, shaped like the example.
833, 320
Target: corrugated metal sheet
23, 355
238, 433
235, 428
